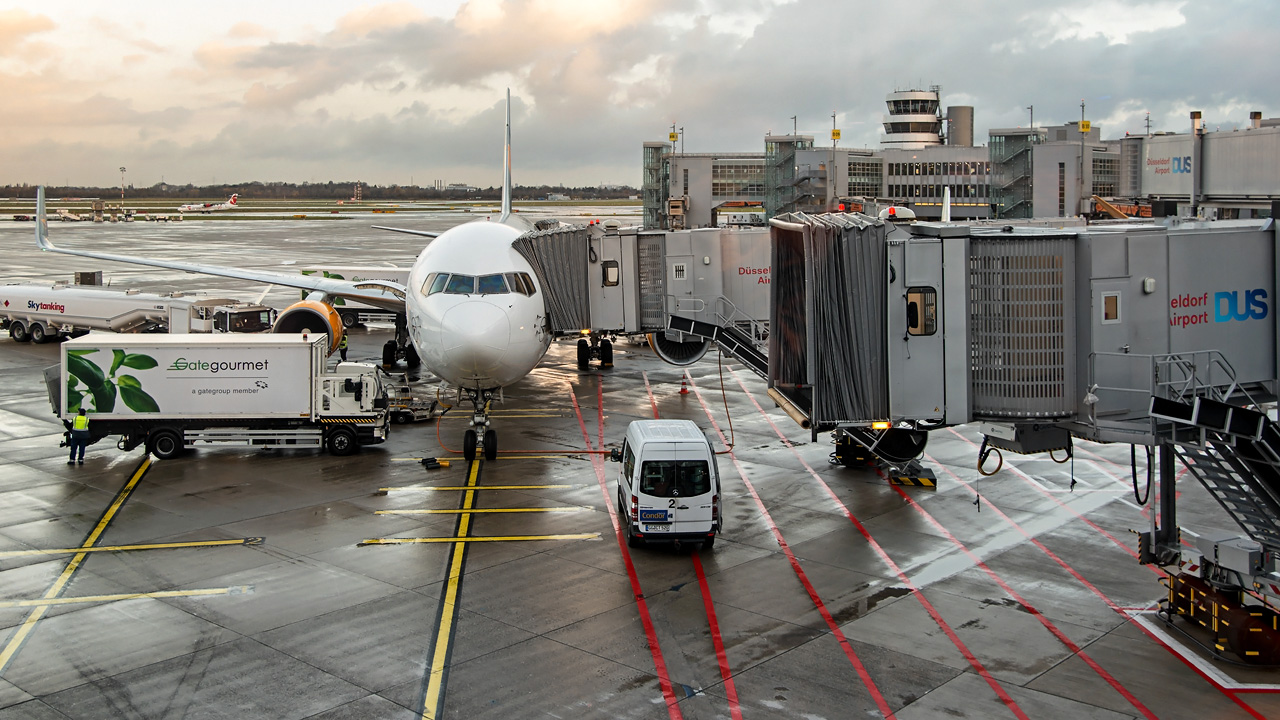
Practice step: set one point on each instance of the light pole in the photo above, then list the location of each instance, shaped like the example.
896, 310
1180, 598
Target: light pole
121, 187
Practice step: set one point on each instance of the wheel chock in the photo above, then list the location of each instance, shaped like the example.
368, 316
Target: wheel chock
924, 479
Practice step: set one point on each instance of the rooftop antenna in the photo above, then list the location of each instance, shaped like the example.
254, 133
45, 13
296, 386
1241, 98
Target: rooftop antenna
1032, 109
1148, 124
506, 167
793, 125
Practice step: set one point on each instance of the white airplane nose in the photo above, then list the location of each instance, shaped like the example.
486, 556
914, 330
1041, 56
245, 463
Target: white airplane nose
475, 336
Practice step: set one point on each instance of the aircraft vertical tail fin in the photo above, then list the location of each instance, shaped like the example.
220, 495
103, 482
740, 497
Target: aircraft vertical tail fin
506, 166
42, 222
234, 197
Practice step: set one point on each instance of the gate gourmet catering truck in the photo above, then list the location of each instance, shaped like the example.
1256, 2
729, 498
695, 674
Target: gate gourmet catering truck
40, 313
173, 392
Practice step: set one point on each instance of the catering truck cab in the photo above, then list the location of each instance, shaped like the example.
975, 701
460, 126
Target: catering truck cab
174, 392
669, 486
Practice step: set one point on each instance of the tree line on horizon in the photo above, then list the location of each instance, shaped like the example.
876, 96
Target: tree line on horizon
318, 191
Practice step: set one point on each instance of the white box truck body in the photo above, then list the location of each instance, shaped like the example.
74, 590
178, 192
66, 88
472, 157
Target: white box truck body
355, 313
178, 391
40, 313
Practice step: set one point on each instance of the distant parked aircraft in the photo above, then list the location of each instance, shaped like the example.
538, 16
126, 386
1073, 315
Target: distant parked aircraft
209, 207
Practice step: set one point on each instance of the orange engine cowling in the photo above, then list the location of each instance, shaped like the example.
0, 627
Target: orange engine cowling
311, 316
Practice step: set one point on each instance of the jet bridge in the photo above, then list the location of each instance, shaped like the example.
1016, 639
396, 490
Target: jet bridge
602, 281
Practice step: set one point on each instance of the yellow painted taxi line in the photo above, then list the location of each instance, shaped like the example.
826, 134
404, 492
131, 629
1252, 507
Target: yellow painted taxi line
479, 538
235, 590
126, 548
483, 510
433, 696
469, 488
28, 625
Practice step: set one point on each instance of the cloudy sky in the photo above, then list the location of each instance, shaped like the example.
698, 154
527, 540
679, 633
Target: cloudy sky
411, 92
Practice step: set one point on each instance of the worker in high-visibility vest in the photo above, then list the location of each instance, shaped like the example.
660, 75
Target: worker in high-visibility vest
342, 347
79, 438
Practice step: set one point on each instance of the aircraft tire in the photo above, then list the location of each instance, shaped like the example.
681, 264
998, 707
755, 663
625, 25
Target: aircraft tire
411, 357
490, 445
389, 354
469, 445
18, 331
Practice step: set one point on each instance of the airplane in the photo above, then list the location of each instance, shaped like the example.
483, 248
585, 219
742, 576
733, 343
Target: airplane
210, 207
474, 312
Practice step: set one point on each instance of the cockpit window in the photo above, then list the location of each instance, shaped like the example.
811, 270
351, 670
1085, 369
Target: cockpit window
492, 285
461, 284
528, 284
517, 285
435, 283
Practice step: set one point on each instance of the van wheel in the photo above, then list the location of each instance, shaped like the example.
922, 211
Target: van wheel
37, 333
709, 543
342, 442
165, 444
18, 331
632, 540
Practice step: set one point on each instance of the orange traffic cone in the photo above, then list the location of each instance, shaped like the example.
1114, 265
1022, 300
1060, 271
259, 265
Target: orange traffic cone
684, 389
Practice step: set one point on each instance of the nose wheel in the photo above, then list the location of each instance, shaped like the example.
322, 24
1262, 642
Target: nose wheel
479, 438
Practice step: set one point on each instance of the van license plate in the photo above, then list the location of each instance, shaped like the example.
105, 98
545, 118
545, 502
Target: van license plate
663, 527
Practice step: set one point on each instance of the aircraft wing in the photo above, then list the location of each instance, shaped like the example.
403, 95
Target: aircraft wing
423, 233
385, 295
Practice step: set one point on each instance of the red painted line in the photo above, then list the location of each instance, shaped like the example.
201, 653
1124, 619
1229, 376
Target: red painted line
1046, 622
1092, 588
599, 414
731, 690
652, 403
884, 557
659, 664
854, 660
1132, 553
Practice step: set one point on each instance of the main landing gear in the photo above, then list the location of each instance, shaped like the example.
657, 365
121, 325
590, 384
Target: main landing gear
479, 437
401, 347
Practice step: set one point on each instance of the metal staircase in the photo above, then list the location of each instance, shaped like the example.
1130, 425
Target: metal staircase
1235, 454
730, 339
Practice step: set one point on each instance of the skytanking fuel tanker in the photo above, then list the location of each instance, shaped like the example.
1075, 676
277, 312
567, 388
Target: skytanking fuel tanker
46, 312
173, 392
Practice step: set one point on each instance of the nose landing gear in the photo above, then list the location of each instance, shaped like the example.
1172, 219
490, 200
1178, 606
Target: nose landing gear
479, 437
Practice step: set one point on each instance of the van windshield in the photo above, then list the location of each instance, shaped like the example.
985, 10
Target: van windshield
674, 478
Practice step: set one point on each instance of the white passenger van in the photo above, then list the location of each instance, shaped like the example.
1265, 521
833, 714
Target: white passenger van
669, 487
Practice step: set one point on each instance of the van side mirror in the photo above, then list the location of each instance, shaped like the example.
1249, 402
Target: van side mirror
615, 455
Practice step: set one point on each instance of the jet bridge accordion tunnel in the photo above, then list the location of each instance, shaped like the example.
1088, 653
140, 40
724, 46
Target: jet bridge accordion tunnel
881, 332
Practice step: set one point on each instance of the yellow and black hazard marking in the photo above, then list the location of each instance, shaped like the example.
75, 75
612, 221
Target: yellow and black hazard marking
347, 421
923, 481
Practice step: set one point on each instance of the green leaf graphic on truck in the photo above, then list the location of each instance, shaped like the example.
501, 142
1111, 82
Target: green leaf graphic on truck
86, 380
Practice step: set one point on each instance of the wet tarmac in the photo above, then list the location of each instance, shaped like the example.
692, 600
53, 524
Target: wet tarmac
236, 583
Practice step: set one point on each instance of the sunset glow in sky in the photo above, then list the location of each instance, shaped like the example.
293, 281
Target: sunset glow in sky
411, 92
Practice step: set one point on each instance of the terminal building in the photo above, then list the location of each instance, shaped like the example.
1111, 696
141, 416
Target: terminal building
1040, 172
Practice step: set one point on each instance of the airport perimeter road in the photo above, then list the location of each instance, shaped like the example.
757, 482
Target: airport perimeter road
239, 583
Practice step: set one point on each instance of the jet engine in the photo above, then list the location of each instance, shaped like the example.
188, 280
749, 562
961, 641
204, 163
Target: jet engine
311, 316
678, 353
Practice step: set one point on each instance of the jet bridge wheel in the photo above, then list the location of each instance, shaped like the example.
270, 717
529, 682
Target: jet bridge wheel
584, 354
606, 354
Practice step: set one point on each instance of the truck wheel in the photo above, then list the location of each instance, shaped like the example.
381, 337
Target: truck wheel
469, 445
18, 331
490, 445
389, 354
165, 444
37, 333
350, 318
342, 442
584, 354
403, 418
